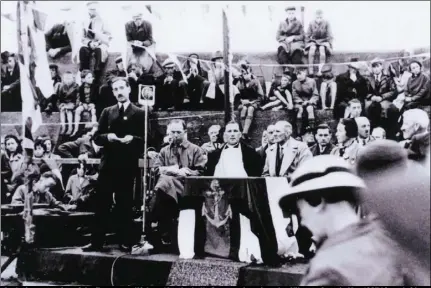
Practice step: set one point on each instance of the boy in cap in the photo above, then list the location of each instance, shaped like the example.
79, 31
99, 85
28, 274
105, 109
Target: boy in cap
328, 88
250, 96
305, 97
318, 38
290, 36
87, 99
351, 251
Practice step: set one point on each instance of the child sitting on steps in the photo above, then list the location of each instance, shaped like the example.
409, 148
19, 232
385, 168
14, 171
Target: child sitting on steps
67, 101
86, 99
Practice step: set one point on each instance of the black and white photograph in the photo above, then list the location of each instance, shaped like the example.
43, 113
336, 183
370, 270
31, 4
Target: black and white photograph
215, 143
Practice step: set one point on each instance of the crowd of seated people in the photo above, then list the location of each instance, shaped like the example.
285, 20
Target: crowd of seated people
226, 154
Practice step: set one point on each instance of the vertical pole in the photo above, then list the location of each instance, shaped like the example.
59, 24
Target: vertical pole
144, 194
227, 58
24, 38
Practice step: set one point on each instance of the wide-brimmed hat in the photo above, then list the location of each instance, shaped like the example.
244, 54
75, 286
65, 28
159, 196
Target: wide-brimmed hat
376, 61
168, 63
119, 59
354, 63
217, 55
327, 68
320, 173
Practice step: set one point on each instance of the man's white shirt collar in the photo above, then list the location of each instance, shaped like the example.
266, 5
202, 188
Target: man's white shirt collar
125, 104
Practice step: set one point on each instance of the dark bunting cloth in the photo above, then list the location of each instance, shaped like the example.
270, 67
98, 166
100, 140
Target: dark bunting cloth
246, 196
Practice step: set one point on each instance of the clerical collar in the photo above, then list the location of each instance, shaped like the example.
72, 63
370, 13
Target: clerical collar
125, 104
229, 146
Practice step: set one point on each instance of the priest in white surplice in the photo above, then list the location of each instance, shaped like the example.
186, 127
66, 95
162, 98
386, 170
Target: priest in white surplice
232, 160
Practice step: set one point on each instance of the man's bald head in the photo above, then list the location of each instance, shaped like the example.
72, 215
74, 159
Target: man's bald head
283, 130
415, 121
363, 127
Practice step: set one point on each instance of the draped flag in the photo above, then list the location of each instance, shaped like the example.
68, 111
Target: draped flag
34, 79
234, 218
180, 67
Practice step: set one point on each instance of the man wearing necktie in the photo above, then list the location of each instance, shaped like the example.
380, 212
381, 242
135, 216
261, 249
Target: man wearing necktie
175, 162
121, 134
364, 131
284, 157
381, 93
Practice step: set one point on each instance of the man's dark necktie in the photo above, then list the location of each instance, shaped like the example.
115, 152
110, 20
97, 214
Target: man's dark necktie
121, 110
90, 28
279, 160
177, 153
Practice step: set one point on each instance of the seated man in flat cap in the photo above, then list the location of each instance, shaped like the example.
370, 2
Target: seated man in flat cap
171, 91
328, 88
139, 33
318, 38
381, 94
290, 36
350, 85
95, 42
57, 40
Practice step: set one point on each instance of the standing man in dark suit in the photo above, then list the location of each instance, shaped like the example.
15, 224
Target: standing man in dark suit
234, 158
121, 134
323, 139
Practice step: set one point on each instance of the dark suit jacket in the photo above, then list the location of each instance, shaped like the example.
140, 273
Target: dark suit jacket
262, 152
348, 90
142, 33
57, 37
316, 151
385, 89
117, 156
252, 162
75, 148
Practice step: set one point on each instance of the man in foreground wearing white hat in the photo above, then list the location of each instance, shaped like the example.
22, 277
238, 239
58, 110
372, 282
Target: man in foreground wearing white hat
350, 251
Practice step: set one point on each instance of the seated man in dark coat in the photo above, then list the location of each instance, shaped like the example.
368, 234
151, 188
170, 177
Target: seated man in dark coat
10, 86
171, 89
350, 85
57, 41
139, 33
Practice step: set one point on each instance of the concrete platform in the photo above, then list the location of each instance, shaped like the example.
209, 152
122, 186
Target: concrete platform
71, 265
